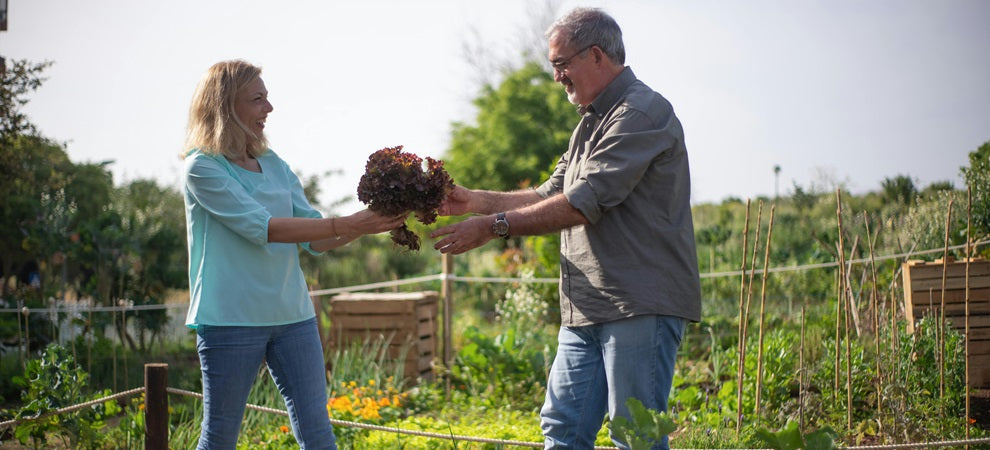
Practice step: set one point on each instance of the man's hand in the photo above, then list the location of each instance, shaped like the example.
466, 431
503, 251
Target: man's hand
465, 235
458, 202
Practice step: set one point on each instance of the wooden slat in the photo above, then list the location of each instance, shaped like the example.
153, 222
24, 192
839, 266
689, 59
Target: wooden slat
959, 322
920, 298
981, 347
979, 371
935, 284
953, 310
957, 269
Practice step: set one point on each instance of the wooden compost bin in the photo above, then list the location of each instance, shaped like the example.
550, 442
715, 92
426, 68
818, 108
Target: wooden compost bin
409, 320
923, 296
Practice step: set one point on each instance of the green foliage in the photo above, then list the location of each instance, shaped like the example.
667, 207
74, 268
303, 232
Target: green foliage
977, 177
495, 424
900, 189
511, 367
644, 429
522, 126
53, 382
790, 438
17, 81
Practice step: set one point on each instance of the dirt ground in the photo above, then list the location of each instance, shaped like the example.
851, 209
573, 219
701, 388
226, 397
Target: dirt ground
979, 408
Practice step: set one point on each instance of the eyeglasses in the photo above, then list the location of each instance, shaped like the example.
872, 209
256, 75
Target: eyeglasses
561, 65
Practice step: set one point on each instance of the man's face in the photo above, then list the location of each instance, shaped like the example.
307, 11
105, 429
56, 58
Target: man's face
575, 69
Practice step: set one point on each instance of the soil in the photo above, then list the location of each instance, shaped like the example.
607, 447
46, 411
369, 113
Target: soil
979, 407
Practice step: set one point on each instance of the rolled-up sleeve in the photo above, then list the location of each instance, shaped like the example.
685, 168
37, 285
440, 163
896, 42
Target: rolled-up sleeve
213, 189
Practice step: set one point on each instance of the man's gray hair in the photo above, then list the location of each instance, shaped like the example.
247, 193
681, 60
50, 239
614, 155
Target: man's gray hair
584, 27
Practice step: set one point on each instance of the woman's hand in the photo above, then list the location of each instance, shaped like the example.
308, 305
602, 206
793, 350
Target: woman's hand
370, 222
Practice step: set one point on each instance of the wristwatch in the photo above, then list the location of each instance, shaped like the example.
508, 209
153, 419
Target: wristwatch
500, 226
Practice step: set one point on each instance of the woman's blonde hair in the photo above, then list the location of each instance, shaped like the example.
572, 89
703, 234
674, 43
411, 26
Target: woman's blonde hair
214, 127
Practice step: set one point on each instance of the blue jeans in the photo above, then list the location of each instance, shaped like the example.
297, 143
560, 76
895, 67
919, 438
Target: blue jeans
230, 358
598, 367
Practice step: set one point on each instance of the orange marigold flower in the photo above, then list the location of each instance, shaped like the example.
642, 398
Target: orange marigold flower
284, 429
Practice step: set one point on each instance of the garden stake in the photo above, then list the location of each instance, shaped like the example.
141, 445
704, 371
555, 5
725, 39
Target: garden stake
838, 335
941, 322
853, 307
893, 347
876, 319
752, 271
763, 304
113, 319
740, 359
847, 304
20, 351
801, 375
969, 257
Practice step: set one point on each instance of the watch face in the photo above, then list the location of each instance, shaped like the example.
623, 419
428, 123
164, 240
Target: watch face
500, 227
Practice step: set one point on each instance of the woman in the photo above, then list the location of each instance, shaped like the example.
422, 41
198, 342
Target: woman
249, 303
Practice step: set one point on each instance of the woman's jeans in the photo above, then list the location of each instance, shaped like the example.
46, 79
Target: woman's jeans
598, 367
230, 358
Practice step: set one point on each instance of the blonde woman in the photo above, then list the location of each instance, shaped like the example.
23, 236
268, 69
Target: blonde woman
249, 304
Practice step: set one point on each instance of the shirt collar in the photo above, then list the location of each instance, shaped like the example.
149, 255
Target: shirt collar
611, 95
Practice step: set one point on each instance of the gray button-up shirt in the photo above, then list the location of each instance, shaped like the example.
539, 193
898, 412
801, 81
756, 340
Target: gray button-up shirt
626, 170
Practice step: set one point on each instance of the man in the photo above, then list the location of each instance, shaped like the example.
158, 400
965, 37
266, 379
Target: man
620, 197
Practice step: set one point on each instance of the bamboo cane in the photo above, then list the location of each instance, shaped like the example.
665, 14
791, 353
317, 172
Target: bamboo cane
763, 305
741, 349
846, 306
752, 270
876, 320
969, 258
801, 375
839, 289
941, 322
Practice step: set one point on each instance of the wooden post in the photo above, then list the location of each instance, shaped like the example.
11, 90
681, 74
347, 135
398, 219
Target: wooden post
156, 406
447, 292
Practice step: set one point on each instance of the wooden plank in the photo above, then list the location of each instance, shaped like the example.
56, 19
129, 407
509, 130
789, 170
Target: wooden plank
920, 298
959, 322
979, 371
371, 307
981, 347
935, 284
953, 309
956, 269
375, 320
978, 334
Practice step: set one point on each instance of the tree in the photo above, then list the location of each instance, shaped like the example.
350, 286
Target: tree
900, 189
523, 126
16, 82
977, 177
32, 215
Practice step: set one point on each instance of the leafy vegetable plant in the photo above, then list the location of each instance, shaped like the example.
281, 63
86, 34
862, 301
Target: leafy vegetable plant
395, 182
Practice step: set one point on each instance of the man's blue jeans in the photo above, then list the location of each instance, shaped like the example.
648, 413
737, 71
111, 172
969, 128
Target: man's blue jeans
598, 367
230, 358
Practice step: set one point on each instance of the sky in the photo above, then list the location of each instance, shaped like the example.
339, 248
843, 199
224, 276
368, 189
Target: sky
833, 92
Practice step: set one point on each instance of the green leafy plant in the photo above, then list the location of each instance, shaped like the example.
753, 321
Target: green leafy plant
790, 438
646, 427
395, 182
53, 382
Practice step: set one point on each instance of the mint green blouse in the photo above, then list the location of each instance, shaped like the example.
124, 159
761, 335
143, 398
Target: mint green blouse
237, 277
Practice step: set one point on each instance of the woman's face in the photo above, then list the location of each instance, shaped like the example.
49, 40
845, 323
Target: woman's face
252, 107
